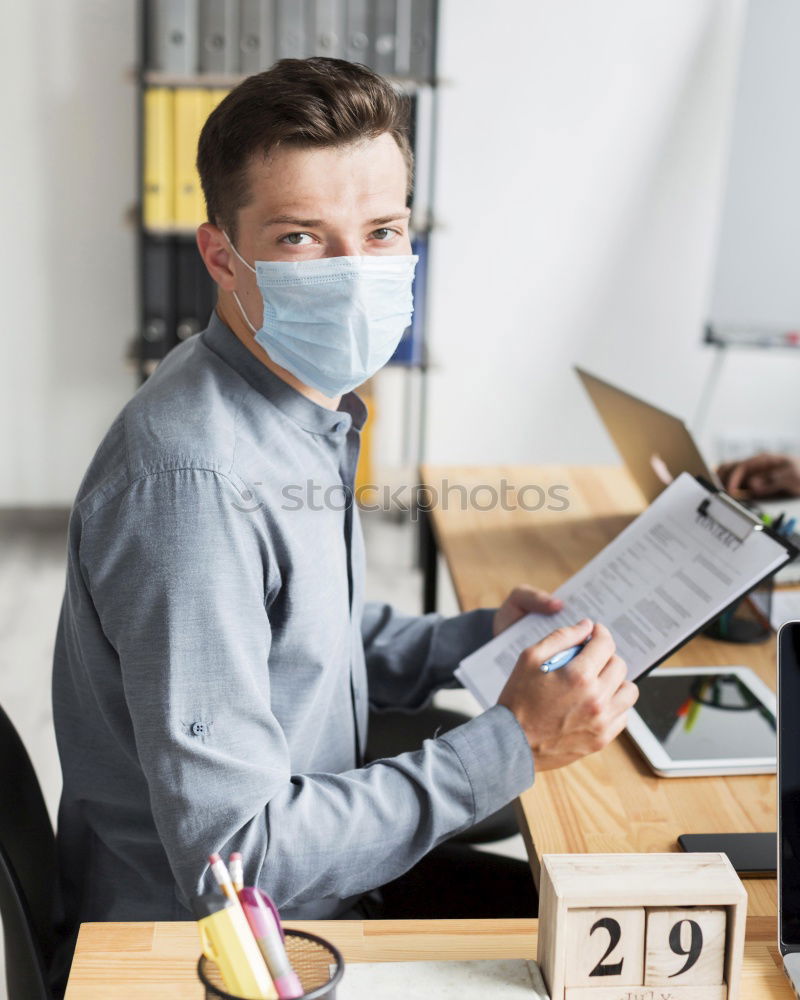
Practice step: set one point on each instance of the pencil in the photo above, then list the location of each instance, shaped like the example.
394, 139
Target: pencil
237, 871
223, 877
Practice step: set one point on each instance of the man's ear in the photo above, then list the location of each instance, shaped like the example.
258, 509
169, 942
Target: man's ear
217, 255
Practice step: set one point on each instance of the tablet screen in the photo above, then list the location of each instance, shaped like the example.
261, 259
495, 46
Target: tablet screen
706, 716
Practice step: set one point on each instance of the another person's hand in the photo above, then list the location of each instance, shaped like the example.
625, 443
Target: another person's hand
520, 602
763, 475
576, 710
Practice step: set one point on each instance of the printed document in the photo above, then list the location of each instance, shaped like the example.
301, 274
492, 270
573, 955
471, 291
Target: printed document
665, 576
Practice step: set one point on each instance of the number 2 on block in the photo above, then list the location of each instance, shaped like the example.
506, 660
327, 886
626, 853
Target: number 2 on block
615, 933
605, 946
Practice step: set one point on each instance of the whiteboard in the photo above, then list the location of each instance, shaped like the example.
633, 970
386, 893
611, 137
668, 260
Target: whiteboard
757, 272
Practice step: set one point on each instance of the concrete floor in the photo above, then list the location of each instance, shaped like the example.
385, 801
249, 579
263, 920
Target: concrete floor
32, 566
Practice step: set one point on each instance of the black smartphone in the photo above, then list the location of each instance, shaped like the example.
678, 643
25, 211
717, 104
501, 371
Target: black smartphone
753, 855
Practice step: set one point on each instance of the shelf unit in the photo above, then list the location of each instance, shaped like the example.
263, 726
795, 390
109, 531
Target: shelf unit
176, 295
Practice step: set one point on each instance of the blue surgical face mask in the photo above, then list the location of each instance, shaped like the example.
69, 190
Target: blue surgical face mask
333, 321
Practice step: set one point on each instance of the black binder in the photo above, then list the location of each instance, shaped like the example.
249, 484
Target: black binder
158, 284
196, 291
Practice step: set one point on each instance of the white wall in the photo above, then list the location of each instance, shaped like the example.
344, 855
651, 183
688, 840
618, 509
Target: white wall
67, 179
580, 175
582, 155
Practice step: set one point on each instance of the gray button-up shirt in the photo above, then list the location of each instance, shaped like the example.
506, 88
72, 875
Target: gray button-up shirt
215, 659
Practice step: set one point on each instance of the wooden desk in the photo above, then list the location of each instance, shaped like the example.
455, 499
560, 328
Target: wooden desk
610, 801
156, 961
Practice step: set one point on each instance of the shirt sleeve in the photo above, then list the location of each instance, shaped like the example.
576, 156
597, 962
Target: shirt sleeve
410, 656
178, 577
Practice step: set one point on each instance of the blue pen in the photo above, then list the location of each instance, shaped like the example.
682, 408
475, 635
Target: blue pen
562, 659
789, 527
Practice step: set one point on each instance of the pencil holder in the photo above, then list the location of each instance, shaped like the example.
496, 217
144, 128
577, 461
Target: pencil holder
318, 964
748, 619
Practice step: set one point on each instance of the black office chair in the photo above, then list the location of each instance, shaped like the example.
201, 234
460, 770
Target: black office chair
27, 870
394, 732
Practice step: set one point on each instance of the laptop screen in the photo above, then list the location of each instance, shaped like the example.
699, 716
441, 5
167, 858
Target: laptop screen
655, 446
789, 785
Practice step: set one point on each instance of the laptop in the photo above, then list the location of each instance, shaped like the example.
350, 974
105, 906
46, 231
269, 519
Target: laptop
789, 800
655, 445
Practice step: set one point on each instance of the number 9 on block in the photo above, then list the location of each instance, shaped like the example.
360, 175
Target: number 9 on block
684, 946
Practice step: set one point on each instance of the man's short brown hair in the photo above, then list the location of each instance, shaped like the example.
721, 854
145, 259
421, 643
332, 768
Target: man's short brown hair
299, 103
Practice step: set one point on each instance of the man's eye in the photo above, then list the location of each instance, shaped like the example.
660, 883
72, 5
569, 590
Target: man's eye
293, 239
387, 233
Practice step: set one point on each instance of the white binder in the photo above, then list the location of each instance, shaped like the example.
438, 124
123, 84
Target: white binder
357, 31
327, 28
384, 36
219, 36
423, 39
172, 36
257, 26
291, 31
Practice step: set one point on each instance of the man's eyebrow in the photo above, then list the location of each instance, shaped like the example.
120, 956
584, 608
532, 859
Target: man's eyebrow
293, 220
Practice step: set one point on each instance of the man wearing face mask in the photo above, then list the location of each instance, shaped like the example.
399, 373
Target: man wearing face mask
215, 655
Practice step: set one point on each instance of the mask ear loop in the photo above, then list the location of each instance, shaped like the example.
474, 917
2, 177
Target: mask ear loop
245, 317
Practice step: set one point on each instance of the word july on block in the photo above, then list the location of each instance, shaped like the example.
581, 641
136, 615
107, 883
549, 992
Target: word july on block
641, 926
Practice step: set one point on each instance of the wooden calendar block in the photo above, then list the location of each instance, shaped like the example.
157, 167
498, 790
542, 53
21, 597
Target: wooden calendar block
685, 946
577, 890
645, 993
605, 947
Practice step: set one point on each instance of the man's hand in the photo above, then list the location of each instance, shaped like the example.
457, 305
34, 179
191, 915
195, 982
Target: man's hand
520, 602
763, 475
576, 710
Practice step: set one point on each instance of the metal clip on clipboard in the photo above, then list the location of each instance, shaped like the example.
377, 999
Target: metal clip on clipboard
729, 516
734, 523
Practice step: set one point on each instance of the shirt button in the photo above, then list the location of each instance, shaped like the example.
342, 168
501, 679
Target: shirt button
198, 728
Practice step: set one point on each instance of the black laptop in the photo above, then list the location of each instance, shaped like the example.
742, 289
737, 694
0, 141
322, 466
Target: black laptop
789, 800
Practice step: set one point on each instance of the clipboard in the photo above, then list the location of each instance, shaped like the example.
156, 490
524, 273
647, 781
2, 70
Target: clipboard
684, 560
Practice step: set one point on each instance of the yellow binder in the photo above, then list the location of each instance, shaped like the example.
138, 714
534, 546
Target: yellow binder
215, 95
191, 108
365, 486
157, 197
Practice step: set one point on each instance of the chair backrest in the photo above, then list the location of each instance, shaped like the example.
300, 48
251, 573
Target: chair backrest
27, 870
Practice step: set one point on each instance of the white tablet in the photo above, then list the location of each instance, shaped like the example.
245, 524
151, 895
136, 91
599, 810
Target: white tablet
705, 720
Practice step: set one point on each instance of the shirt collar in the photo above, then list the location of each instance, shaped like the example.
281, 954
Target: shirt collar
220, 339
